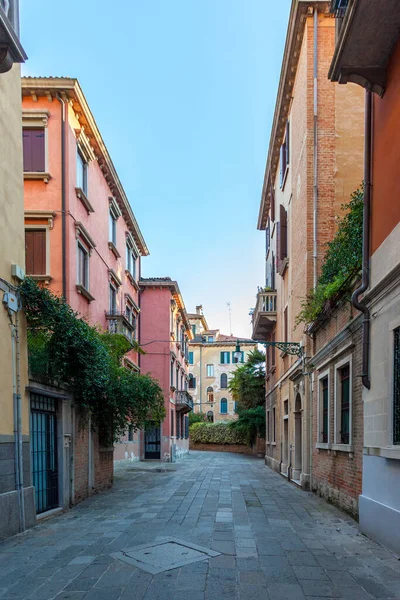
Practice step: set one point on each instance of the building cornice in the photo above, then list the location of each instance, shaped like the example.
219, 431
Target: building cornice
299, 12
165, 283
70, 89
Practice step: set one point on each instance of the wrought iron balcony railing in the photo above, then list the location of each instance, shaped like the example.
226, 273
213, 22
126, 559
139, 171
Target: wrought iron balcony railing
184, 400
264, 314
339, 7
119, 322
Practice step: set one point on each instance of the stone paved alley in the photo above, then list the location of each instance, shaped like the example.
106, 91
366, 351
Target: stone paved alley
274, 540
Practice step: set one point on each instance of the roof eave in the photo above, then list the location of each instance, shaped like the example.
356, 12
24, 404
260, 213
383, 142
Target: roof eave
294, 40
71, 85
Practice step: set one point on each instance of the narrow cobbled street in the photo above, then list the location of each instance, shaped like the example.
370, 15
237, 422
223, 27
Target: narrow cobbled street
273, 541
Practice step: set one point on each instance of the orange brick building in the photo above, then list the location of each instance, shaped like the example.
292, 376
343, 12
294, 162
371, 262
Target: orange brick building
314, 163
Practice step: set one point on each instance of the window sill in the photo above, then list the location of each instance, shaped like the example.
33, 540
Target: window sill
323, 446
84, 292
114, 250
342, 448
273, 443
37, 175
392, 453
131, 279
45, 278
84, 199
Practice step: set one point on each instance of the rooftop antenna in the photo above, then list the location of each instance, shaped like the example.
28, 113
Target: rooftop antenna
230, 317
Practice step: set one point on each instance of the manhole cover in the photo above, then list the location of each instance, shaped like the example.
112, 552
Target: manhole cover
164, 554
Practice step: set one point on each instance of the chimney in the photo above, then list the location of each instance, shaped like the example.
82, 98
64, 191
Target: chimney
199, 309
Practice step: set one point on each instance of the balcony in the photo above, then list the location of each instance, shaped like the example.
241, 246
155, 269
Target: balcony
184, 401
264, 315
118, 322
339, 7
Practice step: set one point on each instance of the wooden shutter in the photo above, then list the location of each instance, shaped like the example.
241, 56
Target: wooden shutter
34, 150
273, 271
283, 232
222, 358
268, 236
281, 166
278, 247
272, 193
287, 143
35, 252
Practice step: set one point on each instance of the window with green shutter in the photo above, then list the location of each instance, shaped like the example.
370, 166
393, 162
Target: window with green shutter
191, 360
225, 358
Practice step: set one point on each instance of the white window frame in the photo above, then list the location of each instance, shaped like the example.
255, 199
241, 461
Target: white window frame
337, 406
85, 173
210, 370
319, 444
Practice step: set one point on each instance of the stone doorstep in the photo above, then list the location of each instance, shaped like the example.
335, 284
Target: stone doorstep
49, 514
136, 556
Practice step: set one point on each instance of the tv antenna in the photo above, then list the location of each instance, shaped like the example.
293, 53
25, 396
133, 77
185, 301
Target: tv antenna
230, 317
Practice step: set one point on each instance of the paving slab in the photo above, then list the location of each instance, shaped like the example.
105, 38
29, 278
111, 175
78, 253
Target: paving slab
254, 534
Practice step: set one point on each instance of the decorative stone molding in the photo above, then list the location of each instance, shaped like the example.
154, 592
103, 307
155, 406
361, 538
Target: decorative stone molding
84, 145
82, 233
84, 199
114, 207
39, 175
35, 118
114, 277
42, 215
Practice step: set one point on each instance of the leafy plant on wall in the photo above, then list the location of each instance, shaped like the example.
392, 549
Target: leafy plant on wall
66, 350
342, 262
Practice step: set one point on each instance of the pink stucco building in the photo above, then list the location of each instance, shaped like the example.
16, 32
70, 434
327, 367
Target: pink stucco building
83, 241
164, 335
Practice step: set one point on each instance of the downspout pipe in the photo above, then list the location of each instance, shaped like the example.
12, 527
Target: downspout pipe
19, 423
355, 299
315, 154
63, 200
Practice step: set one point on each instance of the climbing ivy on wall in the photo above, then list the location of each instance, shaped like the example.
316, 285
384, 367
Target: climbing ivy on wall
65, 349
342, 263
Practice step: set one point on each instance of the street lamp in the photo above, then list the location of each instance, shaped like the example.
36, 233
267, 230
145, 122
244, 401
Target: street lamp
293, 348
237, 355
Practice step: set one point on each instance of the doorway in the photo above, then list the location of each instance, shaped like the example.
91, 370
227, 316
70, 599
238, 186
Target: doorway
298, 441
44, 463
152, 443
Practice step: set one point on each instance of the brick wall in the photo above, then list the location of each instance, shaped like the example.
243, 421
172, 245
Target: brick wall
337, 475
102, 462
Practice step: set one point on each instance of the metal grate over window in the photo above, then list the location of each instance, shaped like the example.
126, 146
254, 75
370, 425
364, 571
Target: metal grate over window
396, 387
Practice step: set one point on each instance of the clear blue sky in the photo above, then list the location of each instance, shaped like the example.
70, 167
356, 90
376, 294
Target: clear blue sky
183, 92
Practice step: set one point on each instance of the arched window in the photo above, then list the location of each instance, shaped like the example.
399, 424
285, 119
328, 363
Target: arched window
210, 394
210, 416
224, 381
224, 406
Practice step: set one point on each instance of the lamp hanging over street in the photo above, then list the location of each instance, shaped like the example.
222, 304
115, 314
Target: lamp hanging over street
237, 355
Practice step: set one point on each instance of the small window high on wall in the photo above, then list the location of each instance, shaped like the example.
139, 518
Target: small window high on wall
285, 156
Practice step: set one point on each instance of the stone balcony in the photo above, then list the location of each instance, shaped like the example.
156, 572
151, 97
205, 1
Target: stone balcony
264, 315
118, 322
184, 401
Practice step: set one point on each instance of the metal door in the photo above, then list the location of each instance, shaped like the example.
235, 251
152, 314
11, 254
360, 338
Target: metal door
152, 443
44, 452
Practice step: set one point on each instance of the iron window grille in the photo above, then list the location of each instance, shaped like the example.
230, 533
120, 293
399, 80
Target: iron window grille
344, 374
325, 410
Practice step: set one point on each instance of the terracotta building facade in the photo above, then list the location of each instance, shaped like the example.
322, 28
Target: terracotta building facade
369, 35
82, 240
211, 364
313, 166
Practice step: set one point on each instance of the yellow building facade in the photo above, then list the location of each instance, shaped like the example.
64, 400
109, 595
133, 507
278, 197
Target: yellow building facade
211, 364
16, 493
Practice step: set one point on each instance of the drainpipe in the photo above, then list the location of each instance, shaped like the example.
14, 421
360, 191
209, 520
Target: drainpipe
366, 242
19, 483
63, 199
315, 165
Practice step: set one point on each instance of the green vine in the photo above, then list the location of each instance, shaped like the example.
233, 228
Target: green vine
342, 261
65, 349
